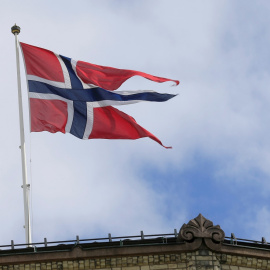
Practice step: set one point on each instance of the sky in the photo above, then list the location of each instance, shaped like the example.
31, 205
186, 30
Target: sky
218, 124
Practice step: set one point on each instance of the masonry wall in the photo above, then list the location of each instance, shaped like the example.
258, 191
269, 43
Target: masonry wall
201, 259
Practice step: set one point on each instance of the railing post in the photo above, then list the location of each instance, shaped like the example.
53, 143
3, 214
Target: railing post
110, 237
233, 239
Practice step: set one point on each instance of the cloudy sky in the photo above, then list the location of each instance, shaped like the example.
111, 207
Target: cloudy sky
218, 125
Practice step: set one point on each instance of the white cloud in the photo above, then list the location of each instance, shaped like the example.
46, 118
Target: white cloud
221, 114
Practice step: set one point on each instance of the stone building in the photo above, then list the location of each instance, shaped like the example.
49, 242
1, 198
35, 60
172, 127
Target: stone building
198, 245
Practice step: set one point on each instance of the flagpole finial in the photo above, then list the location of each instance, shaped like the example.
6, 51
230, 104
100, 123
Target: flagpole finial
15, 29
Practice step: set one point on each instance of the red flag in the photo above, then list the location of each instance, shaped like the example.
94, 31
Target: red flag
75, 97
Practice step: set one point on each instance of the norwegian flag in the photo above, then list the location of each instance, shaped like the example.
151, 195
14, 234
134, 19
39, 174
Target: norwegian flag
76, 97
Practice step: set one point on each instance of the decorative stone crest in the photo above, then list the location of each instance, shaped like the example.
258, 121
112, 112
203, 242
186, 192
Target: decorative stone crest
203, 229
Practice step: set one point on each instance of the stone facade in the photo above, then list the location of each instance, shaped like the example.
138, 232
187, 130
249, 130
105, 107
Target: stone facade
201, 259
199, 245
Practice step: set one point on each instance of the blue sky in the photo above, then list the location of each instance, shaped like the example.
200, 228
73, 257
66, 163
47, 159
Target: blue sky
218, 125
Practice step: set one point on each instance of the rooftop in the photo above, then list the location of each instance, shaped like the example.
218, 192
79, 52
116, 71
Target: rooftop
197, 233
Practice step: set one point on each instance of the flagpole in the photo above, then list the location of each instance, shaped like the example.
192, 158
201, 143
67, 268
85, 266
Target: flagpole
26, 187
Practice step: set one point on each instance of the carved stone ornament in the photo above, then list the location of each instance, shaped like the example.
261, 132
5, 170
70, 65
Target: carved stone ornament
201, 228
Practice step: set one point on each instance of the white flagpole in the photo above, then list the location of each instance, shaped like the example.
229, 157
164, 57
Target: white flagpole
26, 187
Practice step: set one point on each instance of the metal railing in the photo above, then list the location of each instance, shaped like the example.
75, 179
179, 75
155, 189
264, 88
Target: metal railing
124, 240
79, 241
235, 241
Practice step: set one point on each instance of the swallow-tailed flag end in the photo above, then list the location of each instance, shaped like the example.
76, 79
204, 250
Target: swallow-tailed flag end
76, 97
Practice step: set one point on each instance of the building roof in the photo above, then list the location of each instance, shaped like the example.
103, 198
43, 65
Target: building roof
198, 233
